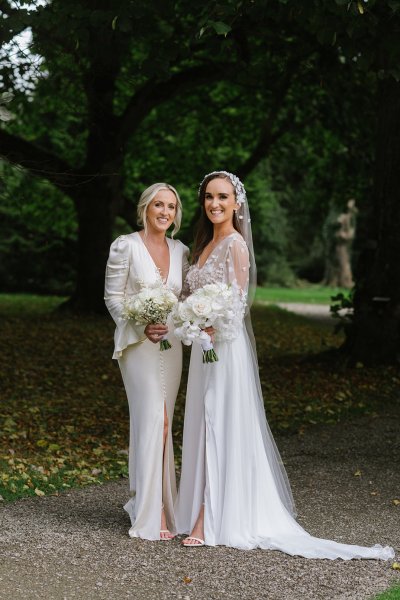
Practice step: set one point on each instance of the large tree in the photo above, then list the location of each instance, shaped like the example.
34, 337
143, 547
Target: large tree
85, 51
107, 69
111, 71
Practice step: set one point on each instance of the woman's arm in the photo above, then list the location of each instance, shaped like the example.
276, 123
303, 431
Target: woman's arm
117, 273
238, 264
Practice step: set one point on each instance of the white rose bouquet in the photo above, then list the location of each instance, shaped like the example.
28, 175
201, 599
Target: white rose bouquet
152, 305
214, 305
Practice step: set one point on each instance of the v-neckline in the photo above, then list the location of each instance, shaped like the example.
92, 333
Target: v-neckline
164, 279
212, 251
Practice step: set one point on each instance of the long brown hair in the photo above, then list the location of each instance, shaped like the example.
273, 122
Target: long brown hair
204, 228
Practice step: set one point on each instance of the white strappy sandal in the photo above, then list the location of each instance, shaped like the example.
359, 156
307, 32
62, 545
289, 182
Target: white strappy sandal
167, 534
199, 542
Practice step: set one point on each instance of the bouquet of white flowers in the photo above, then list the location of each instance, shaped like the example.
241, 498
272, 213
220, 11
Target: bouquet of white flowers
152, 305
215, 305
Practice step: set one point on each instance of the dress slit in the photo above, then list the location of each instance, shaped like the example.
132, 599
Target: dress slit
167, 498
229, 457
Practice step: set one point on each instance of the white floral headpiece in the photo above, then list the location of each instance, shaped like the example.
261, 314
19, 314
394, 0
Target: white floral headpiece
240, 192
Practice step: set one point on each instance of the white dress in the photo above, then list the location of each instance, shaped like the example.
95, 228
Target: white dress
229, 459
151, 378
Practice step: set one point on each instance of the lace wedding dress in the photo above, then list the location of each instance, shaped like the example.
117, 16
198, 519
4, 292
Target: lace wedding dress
230, 462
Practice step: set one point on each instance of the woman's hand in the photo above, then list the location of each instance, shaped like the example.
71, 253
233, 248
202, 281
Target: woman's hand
155, 332
211, 332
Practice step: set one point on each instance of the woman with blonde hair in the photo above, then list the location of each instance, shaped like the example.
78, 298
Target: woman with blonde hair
151, 377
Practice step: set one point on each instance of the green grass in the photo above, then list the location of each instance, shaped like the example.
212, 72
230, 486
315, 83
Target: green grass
391, 594
64, 417
314, 294
15, 305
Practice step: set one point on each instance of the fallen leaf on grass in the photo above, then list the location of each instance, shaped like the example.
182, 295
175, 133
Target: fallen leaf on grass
396, 566
76, 442
39, 492
9, 424
53, 447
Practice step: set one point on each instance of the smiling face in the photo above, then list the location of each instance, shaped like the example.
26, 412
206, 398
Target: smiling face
219, 201
161, 211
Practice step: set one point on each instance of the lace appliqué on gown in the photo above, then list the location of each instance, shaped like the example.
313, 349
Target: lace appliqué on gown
210, 272
228, 263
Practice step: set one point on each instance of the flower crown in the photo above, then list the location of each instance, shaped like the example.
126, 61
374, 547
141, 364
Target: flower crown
240, 192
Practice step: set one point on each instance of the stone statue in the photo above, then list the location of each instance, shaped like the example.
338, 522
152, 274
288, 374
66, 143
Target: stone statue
339, 235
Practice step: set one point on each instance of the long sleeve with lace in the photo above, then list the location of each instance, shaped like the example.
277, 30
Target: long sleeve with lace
237, 263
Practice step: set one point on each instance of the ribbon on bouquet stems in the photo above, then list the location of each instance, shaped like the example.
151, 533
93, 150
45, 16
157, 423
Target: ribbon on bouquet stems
164, 343
209, 355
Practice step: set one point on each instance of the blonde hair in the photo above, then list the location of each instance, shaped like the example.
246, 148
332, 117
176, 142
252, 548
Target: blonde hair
145, 199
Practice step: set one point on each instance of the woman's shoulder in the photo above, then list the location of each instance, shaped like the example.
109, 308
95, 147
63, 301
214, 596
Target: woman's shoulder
125, 239
236, 244
235, 239
237, 236
121, 245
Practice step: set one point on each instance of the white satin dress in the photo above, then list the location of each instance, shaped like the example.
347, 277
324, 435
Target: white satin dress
151, 378
230, 462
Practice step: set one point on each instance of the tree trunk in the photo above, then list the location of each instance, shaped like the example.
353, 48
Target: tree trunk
374, 337
95, 221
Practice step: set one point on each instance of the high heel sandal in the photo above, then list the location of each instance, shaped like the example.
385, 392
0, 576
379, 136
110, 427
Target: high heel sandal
197, 541
165, 534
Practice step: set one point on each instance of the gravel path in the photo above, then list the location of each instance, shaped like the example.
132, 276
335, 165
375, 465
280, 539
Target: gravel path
344, 478
314, 312
307, 310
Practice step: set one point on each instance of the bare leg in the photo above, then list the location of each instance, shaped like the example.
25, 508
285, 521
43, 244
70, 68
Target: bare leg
196, 538
197, 531
165, 534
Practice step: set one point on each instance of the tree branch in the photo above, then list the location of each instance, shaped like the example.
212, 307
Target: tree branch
7, 34
37, 161
268, 134
6, 9
155, 93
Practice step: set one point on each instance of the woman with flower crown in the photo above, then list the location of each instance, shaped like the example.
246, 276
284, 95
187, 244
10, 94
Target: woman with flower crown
234, 490
151, 377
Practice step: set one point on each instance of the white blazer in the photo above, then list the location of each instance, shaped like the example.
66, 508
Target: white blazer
129, 265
